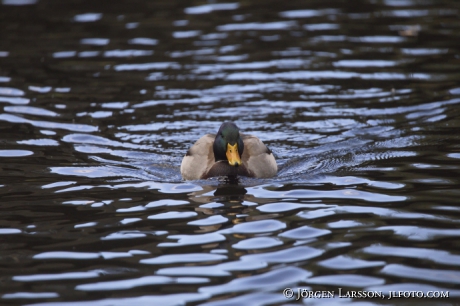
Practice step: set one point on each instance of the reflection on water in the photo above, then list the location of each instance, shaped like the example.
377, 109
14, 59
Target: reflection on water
358, 102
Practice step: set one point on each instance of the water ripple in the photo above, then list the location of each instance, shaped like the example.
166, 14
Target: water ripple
199, 239
419, 233
342, 262
255, 227
30, 295
15, 153
173, 215
304, 232
48, 124
183, 258
59, 276
30, 110
293, 254
250, 299
438, 256
346, 280
434, 275
208, 8
137, 282
219, 270
145, 300
279, 278
257, 243
254, 26
316, 194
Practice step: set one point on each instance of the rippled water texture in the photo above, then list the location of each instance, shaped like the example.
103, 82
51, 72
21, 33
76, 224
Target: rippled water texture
100, 100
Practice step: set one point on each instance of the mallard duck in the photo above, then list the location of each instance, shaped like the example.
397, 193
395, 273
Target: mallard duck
228, 153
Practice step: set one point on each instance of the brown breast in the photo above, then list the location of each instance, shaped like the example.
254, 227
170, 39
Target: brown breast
222, 168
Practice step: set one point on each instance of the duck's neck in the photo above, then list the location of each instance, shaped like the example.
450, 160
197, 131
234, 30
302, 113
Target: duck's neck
220, 148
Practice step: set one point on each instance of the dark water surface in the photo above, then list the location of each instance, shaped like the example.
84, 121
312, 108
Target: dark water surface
359, 101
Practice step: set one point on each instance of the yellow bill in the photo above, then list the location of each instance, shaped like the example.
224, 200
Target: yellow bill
232, 155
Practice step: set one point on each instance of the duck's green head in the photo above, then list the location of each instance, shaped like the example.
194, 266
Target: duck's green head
228, 145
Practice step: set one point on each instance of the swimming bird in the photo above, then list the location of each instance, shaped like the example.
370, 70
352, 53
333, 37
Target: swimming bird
228, 153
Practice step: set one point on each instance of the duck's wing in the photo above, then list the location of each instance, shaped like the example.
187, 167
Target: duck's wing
199, 158
258, 158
